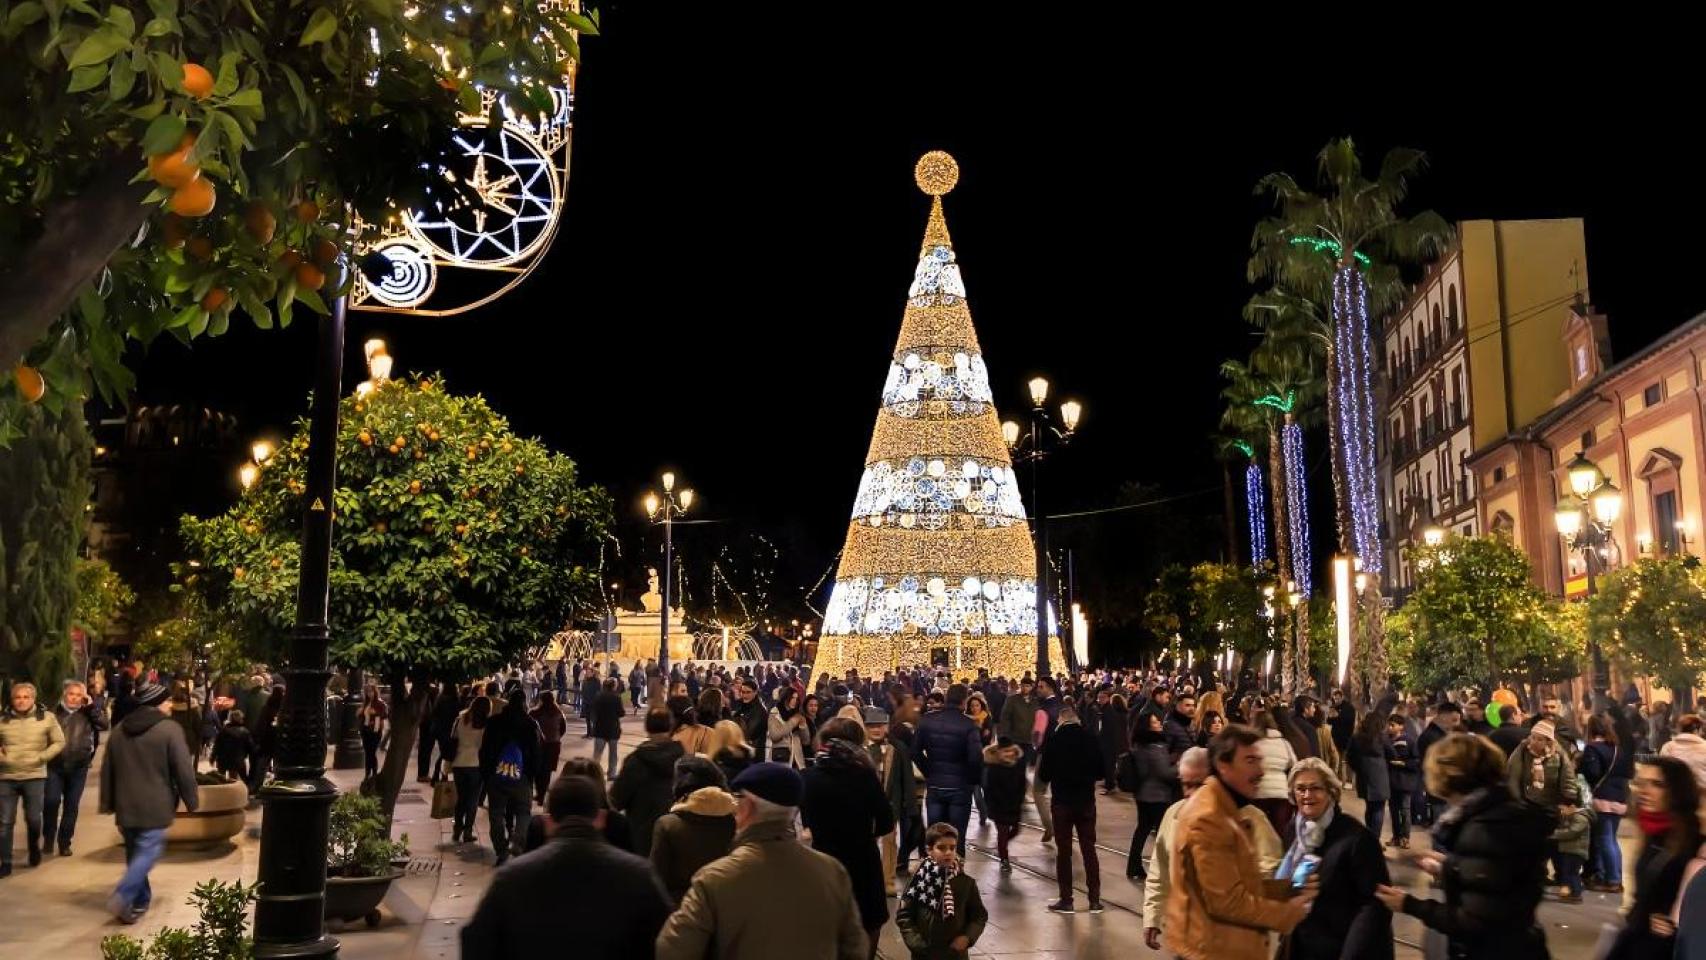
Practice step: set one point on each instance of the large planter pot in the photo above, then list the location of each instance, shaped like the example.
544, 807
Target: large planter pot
218, 816
357, 898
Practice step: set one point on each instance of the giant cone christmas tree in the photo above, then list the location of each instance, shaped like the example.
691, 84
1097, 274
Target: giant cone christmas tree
939, 562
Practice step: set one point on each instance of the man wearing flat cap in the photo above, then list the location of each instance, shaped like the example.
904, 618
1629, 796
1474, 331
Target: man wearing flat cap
772, 896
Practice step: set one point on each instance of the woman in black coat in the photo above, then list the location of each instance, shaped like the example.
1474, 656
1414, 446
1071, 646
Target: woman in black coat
1346, 922
1492, 857
1157, 787
845, 809
1667, 805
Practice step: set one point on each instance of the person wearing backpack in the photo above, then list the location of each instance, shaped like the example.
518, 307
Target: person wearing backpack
509, 753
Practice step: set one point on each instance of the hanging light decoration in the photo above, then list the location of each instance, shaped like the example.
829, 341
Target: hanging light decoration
1297, 505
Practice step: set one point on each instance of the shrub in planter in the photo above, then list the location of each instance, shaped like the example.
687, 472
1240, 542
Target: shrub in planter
359, 840
220, 934
359, 855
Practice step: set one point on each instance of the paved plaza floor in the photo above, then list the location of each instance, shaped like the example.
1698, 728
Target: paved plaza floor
57, 910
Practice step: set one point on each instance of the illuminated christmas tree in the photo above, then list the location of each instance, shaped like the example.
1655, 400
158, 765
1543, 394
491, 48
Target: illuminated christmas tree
939, 562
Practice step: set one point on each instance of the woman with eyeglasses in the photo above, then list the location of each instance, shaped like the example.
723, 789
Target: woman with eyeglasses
1346, 920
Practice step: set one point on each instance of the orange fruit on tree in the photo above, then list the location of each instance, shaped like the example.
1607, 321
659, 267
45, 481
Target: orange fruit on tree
414, 486
260, 222
307, 211
290, 258
201, 248
198, 83
325, 253
214, 299
365, 438
309, 276
30, 382
193, 199
174, 168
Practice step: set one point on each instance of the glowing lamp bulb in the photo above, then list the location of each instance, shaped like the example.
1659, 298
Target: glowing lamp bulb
373, 348
1568, 517
1607, 503
1433, 536
668, 482
379, 366
1039, 390
686, 499
261, 450
1584, 475
247, 474
651, 504
1070, 411
1010, 432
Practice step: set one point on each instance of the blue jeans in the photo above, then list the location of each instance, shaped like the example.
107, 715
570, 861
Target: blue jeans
1609, 855
1568, 868
1373, 816
31, 791
64, 786
599, 745
142, 847
949, 805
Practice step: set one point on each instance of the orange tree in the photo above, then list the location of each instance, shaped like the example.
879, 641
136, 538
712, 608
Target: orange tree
165, 164
457, 545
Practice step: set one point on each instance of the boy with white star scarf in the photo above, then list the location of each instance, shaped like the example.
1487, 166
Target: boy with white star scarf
941, 913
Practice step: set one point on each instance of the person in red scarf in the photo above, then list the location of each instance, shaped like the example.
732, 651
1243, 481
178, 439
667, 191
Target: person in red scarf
1667, 807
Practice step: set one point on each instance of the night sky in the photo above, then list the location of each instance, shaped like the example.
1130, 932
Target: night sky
741, 227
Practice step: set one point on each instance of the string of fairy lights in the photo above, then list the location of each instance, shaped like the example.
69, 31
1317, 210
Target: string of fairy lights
1296, 504
1256, 506
1354, 391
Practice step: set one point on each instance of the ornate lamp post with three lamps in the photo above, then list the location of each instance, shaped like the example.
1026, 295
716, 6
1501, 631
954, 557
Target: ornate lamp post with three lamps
1033, 447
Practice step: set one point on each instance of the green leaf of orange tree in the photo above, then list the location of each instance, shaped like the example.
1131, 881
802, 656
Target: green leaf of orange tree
322, 24
98, 47
163, 134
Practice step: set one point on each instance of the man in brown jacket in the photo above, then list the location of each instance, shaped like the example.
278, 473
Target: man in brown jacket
1217, 908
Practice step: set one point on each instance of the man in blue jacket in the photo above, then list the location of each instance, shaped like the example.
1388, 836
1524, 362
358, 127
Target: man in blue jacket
949, 748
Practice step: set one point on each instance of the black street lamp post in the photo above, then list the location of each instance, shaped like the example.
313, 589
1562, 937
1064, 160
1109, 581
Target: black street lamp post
297, 802
1585, 519
662, 510
1034, 447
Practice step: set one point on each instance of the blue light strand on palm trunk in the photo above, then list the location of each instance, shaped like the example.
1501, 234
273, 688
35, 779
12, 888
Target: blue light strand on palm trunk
1353, 386
1256, 504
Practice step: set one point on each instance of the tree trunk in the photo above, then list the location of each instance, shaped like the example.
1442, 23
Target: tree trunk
81, 234
1300, 659
1341, 502
405, 723
1282, 549
1230, 507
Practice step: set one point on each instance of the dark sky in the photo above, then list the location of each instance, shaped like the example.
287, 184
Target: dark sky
741, 227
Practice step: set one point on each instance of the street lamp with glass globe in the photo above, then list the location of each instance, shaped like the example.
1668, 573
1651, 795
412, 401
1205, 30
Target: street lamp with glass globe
1034, 447
1585, 520
662, 510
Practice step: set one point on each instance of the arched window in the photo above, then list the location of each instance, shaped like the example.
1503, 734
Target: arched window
1451, 309
1434, 330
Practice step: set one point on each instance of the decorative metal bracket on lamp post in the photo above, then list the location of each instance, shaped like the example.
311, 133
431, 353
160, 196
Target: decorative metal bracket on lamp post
1034, 447
1585, 518
662, 510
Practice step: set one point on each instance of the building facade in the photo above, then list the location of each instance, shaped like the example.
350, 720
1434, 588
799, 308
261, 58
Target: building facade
1641, 421
1471, 356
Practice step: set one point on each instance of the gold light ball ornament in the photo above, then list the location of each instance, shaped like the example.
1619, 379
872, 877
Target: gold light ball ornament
936, 173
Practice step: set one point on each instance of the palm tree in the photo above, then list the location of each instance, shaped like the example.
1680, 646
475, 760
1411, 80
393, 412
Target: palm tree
1343, 248
1271, 394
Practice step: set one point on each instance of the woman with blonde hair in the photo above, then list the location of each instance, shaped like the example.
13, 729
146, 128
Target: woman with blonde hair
1210, 702
727, 748
1491, 856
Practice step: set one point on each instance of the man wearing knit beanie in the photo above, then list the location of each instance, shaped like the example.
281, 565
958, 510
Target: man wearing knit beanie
148, 770
1539, 774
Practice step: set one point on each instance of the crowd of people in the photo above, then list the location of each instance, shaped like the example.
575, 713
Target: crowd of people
766, 812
